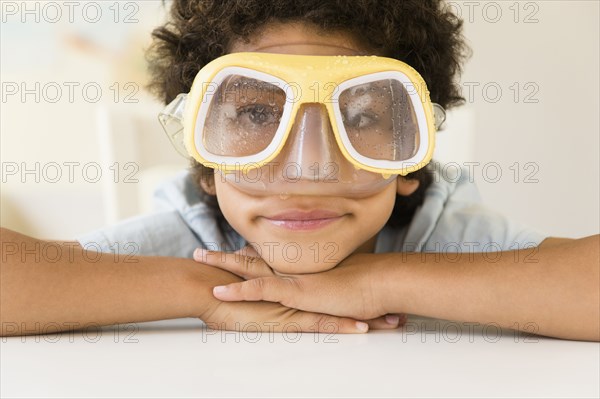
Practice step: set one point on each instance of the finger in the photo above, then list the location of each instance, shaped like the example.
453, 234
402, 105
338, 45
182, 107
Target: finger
321, 323
246, 267
248, 250
306, 323
271, 289
303, 322
387, 322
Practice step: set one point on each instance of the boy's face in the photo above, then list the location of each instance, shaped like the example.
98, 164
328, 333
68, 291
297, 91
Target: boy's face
306, 233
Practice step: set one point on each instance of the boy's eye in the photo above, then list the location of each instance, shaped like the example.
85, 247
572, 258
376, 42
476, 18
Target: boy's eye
258, 114
361, 120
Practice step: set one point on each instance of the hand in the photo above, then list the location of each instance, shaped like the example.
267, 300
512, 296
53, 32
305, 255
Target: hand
263, 316
346, 290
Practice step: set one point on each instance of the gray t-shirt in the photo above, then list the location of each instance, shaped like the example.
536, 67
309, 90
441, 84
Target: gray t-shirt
451, 219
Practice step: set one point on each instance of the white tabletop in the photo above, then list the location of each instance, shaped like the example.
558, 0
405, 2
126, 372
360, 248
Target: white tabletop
182, 358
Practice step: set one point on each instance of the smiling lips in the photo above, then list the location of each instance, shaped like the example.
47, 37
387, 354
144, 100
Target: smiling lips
301, 220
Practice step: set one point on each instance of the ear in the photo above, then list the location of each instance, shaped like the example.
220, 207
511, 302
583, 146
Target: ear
208, 185
406, 187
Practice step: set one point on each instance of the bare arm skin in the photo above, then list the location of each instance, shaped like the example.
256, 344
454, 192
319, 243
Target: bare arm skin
49, 286
40, 294
552, 290
556, 288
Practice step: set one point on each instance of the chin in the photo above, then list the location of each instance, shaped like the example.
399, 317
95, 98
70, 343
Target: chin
295, 258
285, 268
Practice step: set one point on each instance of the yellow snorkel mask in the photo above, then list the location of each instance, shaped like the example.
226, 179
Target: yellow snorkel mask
279, 123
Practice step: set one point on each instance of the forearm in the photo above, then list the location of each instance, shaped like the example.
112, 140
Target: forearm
42, 293
554, 289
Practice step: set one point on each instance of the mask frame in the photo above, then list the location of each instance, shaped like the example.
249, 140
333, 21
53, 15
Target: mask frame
297, 75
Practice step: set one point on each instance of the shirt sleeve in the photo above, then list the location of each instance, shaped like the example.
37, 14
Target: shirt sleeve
159, 234
454, 219
182, 222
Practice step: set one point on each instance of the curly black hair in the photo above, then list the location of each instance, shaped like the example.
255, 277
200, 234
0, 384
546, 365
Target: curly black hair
423, 33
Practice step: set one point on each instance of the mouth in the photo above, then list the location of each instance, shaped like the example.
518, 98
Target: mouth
304, 220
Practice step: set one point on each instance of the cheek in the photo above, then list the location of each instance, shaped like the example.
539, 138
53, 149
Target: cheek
234, 205
373, 212
239, 209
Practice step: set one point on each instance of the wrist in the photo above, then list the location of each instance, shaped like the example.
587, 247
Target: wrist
196, 290
391, 283
198, 281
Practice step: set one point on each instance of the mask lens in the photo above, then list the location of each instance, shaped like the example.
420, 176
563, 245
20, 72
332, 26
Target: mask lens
243, 116
379, 120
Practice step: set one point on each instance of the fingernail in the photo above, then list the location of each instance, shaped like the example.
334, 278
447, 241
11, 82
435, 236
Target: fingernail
219, 289
198, 253
392, 319
362, 327
202, 254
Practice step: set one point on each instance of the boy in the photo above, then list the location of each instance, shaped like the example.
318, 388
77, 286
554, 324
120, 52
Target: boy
360, 284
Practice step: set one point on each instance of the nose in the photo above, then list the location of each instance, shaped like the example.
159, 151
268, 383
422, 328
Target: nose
311, 152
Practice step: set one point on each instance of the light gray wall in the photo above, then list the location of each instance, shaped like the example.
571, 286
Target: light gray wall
550, 50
